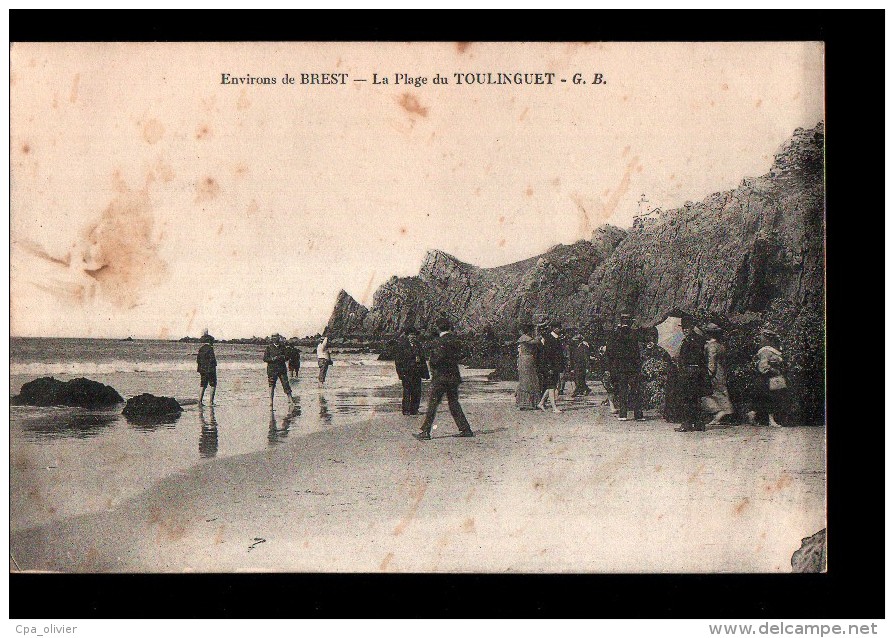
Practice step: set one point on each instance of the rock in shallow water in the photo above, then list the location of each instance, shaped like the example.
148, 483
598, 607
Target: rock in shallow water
80, 392
148, 406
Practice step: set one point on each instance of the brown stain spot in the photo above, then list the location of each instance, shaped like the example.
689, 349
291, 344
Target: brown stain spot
164, 332
386, 561
694, 476
242, 102
417, 495
743, 504
403, 230
724, 87
538, 484
660, 516
502, 242
529, 192
26, 148
115, 257
658, 468
153, 130
220, 229
306, 544
502, 218
469, 525
219, 534
202, 132
672, 176
462, 47
757, 104
625, 98
252, 208
796, 95
523, 115
711, 102
164, 171
170, 527
410, 103
556, 182
241, 170
73, 96
207, 189
784, 481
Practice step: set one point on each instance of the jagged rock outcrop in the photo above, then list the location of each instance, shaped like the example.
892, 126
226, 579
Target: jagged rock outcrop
747, 258
80, 393
347, 316
482, 297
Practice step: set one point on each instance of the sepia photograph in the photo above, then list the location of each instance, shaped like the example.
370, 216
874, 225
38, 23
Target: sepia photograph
418, 307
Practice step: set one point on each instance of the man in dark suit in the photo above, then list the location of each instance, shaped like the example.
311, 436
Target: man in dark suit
693, 375
444, 360
552, 364
409, 360
623, 358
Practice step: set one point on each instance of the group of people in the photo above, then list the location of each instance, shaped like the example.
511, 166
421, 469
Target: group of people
282, 359
547, 358
550, 356
546, 361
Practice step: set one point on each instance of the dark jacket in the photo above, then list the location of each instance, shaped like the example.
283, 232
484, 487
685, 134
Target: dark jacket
293, 354
409, 360
444, 355
692, 350
205, 359
275, 356
581, 357
552, 355
622, 352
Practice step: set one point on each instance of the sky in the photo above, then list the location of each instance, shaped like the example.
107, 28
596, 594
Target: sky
149, 199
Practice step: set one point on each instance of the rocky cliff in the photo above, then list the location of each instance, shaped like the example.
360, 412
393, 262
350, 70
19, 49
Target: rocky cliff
477, 297
752, 256
733, 252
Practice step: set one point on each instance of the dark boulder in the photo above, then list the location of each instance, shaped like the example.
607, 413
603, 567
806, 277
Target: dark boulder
81, 393
811, 557
148, 407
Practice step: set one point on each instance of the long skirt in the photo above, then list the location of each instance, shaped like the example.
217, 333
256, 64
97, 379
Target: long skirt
527, 395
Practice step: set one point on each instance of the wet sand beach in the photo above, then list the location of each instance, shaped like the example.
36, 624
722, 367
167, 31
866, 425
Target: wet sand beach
532, 492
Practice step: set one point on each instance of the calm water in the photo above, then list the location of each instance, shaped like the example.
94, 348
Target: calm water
68, 461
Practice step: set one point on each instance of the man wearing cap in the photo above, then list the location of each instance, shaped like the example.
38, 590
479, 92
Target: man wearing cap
623, 360
275, 355
444, 359
409, 360
693, 383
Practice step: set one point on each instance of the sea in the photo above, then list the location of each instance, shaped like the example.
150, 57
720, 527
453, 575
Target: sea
69, 461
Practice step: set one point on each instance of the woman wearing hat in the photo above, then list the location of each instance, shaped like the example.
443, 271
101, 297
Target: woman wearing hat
528, 392
718, 402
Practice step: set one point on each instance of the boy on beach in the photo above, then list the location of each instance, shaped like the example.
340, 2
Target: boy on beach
275, 356
207, 367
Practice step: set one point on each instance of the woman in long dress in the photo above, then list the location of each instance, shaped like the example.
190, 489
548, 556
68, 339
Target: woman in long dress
528, 392
718, 402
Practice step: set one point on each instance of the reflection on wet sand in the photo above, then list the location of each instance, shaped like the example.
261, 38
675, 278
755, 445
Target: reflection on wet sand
68, 423
276, 434
208, 442
325, 415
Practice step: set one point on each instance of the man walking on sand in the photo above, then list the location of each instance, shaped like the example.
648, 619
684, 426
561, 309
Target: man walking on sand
275, 356
553, 364
444, 360
207, 366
